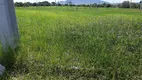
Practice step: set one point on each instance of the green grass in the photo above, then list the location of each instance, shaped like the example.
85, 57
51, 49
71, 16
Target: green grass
60, 43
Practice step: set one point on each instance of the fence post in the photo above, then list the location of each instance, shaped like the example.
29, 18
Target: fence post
9, 35
141, 5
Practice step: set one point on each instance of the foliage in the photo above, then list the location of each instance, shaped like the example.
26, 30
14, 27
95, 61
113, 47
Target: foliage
53, 3
19, 4
134, 5
125, 4
27, 4
44, 3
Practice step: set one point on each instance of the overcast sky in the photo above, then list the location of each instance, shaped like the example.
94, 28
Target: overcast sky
111, 1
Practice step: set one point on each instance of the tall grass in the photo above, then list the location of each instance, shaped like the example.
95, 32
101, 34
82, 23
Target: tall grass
61, 43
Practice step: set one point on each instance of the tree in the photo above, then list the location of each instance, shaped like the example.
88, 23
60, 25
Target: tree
119, 5
27, 4
94, 5
134, 5
69, 2
125, 4
53, 3
109, 5
44, 3
104, 5
59, 4
19, 4
34, 4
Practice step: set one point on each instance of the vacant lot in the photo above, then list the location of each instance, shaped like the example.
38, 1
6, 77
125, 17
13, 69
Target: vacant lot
62, 43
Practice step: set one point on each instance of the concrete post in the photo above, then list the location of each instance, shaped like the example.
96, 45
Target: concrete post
140, 5
8, 26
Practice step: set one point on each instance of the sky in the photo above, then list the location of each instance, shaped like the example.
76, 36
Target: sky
111, 1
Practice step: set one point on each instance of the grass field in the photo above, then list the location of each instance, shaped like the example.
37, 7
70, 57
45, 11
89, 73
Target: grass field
60, 43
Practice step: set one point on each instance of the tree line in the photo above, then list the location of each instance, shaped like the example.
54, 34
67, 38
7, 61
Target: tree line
124, 4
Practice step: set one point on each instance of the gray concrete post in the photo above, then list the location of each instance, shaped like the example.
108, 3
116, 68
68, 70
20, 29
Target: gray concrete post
9, 36
141, 4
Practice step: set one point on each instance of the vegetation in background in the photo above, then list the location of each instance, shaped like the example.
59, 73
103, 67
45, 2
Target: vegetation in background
124, 4
60, 43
